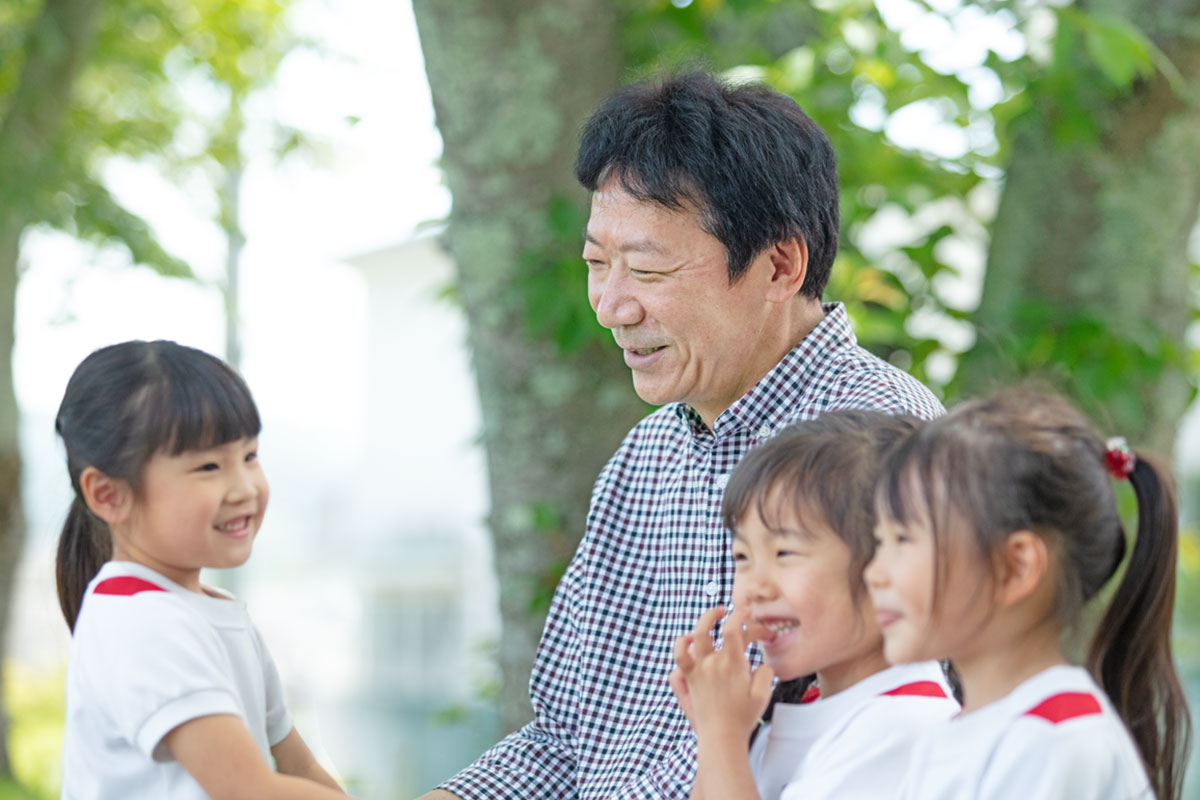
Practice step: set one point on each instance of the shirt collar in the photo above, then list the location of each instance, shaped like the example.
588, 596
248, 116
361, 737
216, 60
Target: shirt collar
772, 401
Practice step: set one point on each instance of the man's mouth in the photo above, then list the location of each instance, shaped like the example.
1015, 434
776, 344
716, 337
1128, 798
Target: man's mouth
645, 351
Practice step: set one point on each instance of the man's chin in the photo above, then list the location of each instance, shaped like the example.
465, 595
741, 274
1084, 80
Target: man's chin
652, 392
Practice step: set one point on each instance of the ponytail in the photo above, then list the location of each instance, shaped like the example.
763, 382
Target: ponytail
1131, 652
83, 547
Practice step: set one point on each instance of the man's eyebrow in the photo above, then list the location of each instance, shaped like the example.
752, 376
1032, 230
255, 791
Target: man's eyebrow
635, 246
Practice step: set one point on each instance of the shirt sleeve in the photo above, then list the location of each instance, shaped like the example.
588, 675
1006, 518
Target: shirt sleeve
279, 721
538, 761
670, 778
159, 666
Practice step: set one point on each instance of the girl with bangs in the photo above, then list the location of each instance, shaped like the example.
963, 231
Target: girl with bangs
997, 523
841, 721
171, 693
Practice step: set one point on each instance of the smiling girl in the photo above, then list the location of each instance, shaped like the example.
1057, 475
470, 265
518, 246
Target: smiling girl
997, 523
800, 508
171, 692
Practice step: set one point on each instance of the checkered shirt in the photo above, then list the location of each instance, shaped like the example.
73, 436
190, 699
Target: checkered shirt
654, 557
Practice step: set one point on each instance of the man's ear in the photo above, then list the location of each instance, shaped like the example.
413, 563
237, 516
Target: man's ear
789, 266
1025, 562
110, 499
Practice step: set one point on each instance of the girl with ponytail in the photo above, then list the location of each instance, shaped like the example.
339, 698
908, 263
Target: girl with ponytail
996, 524
171, 692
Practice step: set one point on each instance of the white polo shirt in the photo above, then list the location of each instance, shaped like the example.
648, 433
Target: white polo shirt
855, 744
148, 655
1055, 736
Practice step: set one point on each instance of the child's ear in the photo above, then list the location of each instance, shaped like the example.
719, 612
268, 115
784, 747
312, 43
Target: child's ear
1026, 560
110, 499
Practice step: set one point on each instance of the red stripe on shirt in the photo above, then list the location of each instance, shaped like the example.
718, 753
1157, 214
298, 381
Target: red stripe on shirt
1067, 705
918, 689
125, 585
811, 694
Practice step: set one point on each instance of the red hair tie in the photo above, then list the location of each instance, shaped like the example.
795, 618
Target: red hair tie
1119, 459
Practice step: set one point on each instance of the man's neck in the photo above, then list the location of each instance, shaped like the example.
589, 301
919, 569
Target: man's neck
800, 317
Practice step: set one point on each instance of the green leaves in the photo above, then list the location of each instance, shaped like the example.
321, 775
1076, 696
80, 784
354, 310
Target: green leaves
551, 283
1119, 50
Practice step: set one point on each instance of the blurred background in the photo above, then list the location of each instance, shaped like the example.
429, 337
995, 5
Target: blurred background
268, 180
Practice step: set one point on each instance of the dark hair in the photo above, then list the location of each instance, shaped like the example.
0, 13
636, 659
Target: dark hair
123, 404
755, 167
824, 470
1026, 460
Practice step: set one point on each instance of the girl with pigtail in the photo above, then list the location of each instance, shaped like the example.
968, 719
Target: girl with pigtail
171, 692
996, 524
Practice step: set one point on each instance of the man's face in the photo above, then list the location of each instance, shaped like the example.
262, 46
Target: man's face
659, 282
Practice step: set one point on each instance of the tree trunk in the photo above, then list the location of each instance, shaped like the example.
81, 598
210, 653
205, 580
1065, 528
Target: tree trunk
56, 49
511, 84
1092, 237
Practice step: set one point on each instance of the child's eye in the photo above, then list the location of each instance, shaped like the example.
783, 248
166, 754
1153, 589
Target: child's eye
251, 456
739, 558
209, 467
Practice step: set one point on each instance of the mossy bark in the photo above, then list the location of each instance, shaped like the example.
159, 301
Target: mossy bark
1096, 227
512, 82
55, 50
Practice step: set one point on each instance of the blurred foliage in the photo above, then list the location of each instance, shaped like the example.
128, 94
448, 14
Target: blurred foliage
163, 83
160, 82
909, 214
37, 709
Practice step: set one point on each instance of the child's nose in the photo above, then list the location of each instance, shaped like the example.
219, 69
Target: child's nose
761, 585
243, 486
874, 574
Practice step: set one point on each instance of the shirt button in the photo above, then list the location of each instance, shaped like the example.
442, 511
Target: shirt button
722, 481
710, 588
764, 431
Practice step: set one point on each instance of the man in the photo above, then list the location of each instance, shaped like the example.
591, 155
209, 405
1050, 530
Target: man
713, 228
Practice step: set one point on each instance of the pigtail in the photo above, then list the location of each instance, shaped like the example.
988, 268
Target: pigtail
1131, 652
83, 546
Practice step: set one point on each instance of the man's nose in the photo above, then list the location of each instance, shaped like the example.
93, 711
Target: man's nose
614, 299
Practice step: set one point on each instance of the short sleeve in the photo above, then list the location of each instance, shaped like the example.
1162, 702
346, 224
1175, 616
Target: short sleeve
279, 721
157, 665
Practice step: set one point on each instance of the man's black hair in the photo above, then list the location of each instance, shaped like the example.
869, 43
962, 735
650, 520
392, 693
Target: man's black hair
757, 169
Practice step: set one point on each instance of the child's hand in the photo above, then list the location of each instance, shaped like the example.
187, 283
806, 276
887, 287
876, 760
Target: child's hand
716, 688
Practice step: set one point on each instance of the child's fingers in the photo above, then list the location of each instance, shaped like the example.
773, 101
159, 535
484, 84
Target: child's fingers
734, 637
702, 643
678, 684
683, 653
760, 686
754, 631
